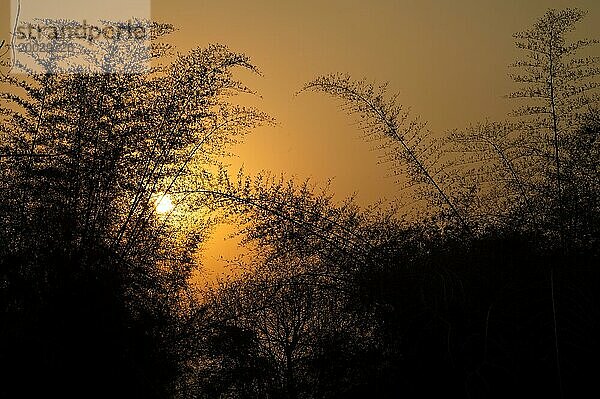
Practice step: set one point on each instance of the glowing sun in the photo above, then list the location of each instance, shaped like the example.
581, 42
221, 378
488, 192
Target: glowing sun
164, 204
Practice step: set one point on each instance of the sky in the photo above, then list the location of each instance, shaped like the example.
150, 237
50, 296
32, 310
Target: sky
447, 59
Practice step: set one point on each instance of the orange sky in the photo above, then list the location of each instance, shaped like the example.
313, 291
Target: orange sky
448, 59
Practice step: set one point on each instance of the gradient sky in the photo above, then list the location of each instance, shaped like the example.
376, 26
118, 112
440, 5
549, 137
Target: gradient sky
448, 59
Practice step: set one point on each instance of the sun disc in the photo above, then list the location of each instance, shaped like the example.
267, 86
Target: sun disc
164, 204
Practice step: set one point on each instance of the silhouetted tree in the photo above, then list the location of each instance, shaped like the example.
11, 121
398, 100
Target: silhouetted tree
559, 85
96, 281
292, 298
406, 143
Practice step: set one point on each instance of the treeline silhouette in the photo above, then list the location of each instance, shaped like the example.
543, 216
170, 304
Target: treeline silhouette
481, 281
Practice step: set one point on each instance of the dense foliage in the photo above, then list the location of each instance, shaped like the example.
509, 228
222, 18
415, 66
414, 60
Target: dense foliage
480, 282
